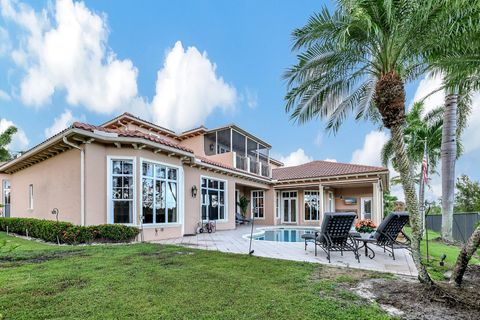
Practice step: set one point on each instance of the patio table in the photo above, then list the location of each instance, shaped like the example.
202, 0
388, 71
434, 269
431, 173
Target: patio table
365, 240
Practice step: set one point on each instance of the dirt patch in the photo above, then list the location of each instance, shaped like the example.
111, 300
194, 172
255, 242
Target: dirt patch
58, 286
167, 258
13, 261
409, 299
347, 275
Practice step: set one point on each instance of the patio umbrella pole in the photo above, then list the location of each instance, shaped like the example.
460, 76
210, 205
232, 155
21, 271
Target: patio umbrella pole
250, 251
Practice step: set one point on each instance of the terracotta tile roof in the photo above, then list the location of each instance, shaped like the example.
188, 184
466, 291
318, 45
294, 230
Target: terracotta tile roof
316, 169
129, 133
216, 163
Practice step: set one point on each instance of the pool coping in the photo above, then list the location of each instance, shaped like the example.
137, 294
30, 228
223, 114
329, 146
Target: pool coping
262, 230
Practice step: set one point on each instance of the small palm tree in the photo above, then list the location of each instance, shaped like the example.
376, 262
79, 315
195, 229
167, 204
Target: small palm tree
357, 60
421, 129
243, 203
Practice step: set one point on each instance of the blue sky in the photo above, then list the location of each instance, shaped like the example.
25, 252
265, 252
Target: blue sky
223, 58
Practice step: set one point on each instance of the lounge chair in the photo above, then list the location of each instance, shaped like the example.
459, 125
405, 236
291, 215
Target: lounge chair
239, 219
388, 232
334, 234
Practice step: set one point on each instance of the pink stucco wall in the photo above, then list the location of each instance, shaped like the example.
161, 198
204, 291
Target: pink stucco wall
56, 184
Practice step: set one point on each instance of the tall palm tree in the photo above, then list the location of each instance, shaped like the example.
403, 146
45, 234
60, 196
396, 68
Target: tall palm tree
456, 56
358, 59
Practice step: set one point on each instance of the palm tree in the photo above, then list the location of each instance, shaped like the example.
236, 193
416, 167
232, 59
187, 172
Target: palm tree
420, 130
358, 59
456, 57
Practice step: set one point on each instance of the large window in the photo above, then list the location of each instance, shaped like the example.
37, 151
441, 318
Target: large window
312, 205
258, 210
213, 199
122, 184
159, 194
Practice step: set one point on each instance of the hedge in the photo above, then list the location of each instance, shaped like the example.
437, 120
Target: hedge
66, 232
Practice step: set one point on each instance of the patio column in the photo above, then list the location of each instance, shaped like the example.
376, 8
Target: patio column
321, 204
377, 197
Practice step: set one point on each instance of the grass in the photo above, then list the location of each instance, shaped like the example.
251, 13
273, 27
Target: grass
436, 248
151, 281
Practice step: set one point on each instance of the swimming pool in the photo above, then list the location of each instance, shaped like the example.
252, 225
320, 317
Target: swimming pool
283, 235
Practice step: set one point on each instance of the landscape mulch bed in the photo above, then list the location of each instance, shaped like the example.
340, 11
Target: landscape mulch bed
417, 301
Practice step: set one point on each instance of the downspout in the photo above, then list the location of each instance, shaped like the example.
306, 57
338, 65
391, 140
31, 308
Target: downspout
82, 178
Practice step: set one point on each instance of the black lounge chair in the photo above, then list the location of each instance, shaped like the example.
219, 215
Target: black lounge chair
388, 232
239, 219
334, 234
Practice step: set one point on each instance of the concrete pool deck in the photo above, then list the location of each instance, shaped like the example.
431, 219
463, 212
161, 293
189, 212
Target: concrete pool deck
237, 241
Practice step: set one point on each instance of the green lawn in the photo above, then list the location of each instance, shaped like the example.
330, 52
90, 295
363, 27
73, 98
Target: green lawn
436, 249
149, 281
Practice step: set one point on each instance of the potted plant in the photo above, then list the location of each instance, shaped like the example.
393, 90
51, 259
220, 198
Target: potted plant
365, 227
243, 203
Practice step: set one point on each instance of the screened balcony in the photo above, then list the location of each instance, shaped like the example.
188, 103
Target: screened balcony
248, 153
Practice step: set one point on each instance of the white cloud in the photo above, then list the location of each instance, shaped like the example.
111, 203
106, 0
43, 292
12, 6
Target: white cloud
371, 150
251, 98
68, 52
397, 191
330, 160
64, 49
4, 41
60, 123
188, 89
19, 140
295, 158
470, 136
426, 86
4, 95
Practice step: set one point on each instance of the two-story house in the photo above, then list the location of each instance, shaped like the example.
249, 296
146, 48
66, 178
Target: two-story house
134, 172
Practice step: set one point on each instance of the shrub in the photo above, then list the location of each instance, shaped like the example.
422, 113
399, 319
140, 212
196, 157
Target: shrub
113, 232
66, 232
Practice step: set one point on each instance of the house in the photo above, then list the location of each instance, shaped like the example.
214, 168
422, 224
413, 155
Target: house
134, 172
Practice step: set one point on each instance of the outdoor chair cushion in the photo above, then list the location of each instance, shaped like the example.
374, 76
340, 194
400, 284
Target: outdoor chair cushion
391, 226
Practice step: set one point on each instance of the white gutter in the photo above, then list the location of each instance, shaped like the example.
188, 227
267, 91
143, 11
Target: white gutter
82, 178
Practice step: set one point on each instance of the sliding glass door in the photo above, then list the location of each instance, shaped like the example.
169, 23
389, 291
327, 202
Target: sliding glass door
289, 207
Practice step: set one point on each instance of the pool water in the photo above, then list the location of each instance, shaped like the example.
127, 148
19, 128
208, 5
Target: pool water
283, 235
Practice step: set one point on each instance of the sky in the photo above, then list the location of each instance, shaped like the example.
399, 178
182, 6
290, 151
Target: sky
179, 64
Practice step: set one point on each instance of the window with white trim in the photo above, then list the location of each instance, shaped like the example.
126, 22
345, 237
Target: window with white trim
30, 197
258, 210
311, 201
159, 193
213, 199
277, 204
122, 182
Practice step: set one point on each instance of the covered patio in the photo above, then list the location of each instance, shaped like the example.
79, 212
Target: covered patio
237, 241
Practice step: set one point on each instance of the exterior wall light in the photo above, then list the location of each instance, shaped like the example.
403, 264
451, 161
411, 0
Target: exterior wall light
194, 191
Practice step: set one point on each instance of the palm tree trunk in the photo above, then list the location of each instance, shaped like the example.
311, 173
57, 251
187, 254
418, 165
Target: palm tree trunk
464, 257
448, 155
411, 200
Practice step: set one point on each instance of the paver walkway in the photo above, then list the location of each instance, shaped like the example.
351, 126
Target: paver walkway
237, 241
